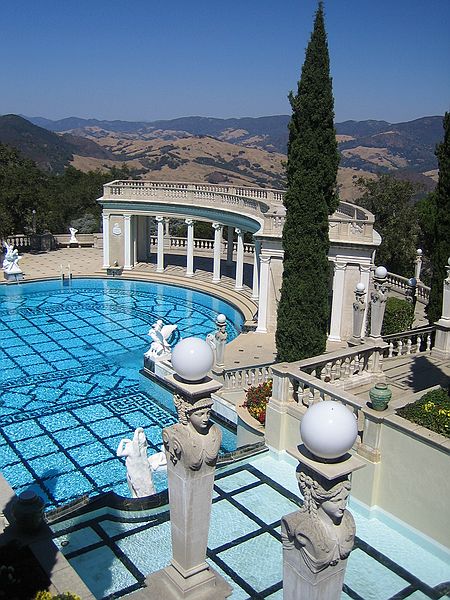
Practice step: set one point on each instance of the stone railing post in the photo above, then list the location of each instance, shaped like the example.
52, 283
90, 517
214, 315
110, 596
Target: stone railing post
418, 264
277, 407
442, 342
378, 302
359, 309
411, 291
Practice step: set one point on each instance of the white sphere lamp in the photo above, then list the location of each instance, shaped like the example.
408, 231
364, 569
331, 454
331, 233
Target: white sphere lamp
221, 318
360, 287
419, 251
192, 358
380, 272
328, 430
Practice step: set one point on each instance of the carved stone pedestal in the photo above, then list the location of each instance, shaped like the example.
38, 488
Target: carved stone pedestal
318, 539
191, 447
299, 582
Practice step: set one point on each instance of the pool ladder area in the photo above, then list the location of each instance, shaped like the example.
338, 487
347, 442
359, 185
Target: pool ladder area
65, 273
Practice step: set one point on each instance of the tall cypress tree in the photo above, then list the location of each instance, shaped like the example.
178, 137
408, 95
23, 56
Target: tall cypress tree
441, 233
311, 197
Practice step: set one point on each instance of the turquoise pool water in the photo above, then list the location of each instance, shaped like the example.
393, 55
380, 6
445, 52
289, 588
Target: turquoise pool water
70, 387
113, 550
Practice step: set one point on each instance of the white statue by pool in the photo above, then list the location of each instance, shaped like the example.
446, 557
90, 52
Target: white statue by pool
10, 262
73, 232
160, 334
139, 472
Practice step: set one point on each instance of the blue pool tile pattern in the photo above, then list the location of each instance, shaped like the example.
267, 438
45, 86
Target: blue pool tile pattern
244, 545
70, 387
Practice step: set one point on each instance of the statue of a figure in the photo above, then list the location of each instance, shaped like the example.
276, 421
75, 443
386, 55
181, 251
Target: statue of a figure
139, 474
158, 461
194, 441
323, 530
11, 259
159, 333
73, 232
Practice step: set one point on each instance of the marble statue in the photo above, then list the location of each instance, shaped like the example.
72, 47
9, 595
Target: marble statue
11, 260
323, 531
139, 473
194, 441
73, 232
158, 461
160, 334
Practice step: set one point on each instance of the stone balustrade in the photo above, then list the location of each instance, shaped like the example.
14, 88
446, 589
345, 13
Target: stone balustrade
400, 284
349, 222
415, 341
244, 377
21, 241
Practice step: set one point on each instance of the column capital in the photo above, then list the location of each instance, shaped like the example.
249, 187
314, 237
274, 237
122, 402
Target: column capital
365, 268
238, 231
339, 265
189, 222
265, 259
126, 217
217, 226
159, 218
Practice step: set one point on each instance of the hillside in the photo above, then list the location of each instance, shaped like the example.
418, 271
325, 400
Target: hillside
51, 152
247, 151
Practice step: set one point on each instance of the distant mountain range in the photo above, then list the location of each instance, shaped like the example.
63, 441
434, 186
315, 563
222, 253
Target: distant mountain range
243, 151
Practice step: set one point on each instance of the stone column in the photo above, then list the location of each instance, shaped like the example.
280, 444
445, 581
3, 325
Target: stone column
364, 275
318, 538
191, 447
127, 242
190, 248
230, 244
338, 301
418, 264
166, 233
160, 245
263, 294
217, 250
378, 302
239, 260
105, 219
255, 287
442, 343
359, 309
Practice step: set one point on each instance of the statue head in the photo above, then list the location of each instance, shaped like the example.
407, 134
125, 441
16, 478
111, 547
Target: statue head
196, 415
322, 495
140, 439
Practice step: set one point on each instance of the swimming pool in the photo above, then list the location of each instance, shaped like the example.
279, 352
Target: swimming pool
70, 387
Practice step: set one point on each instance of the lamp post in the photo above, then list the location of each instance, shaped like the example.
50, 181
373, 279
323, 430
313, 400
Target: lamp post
318, 538
378, 302
34, 220
191, 447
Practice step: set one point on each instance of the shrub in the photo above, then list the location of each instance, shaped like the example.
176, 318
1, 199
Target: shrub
399, 316
64, 596
256, 400
431, 411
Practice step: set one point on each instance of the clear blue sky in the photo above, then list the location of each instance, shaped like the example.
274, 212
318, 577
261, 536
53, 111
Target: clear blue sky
160, 59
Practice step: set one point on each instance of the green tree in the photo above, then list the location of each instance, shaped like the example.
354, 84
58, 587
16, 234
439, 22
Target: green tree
311, 196
396, 220
440, 242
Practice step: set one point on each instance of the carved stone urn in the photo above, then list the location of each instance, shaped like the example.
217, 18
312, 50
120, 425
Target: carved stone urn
380, 396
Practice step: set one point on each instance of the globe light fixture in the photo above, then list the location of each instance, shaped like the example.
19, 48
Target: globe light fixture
360, 287
380, 272
328, 430
412, 282
221, 318
192, 358
419, 252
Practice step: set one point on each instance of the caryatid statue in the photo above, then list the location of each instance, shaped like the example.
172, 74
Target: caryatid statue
323, 531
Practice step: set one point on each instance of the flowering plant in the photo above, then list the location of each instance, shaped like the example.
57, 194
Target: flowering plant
256, 400
431, 411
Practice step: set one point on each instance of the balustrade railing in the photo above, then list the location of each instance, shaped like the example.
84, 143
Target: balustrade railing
202, 244
415, 341
349, 222
244, 377
21, 241
400, 284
